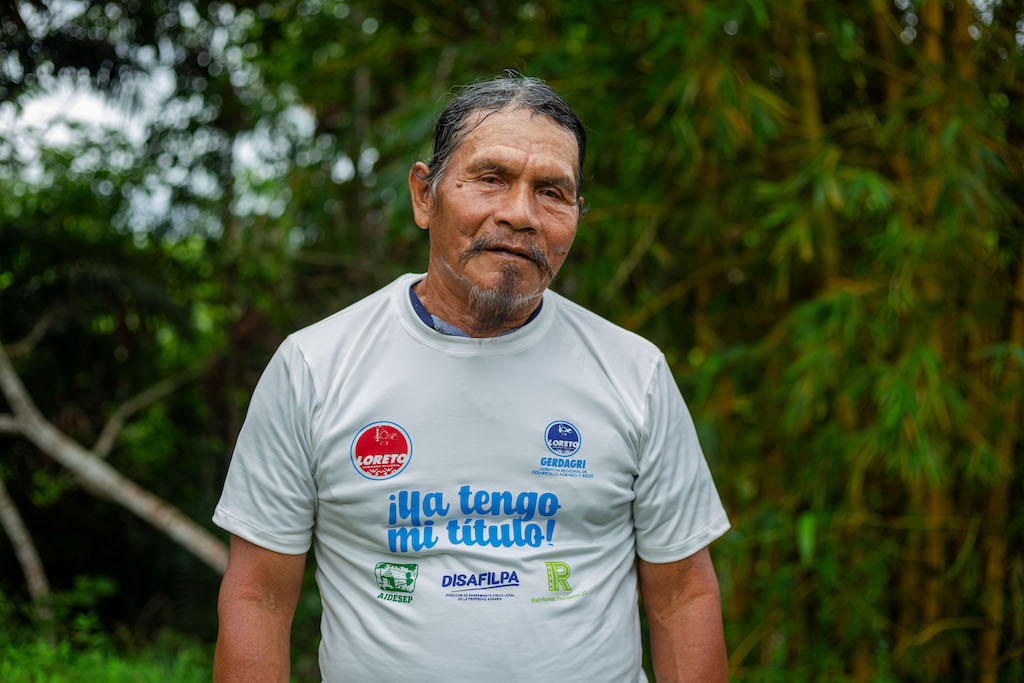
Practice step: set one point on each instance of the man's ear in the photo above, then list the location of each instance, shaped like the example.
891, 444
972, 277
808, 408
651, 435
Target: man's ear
419, 190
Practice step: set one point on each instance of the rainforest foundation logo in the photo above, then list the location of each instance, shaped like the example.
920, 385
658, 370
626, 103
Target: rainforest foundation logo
558, 574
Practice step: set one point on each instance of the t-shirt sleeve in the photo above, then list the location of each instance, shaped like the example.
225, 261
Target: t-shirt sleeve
269, 495
676, 510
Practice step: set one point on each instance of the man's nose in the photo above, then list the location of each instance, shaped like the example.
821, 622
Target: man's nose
517, 210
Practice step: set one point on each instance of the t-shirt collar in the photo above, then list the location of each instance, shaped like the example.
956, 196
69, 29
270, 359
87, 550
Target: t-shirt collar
443, 326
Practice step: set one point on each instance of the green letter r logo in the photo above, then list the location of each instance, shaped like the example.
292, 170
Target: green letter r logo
558, 576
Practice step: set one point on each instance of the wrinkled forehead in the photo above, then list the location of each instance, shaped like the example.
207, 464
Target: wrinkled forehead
517, 132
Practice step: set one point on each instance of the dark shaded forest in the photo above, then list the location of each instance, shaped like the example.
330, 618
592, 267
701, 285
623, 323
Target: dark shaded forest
813, 208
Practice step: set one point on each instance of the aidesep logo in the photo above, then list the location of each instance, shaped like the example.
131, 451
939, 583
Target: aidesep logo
562, 438
395, 580
381, 450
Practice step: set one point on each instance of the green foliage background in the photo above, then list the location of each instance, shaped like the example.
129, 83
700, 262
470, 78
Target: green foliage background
813, 208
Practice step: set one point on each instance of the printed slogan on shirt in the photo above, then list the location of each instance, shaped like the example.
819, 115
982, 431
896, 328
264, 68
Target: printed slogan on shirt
419, 521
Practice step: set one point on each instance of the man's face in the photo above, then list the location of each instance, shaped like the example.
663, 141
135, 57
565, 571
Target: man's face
506, 208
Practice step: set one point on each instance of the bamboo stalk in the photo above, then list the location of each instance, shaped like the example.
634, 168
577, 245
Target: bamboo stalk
931, 23
810, 108
937, 498
997, 509
910, 577
937, 506
963, 17
884, 29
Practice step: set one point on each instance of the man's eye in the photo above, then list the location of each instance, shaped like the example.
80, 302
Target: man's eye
492, 180
554, 194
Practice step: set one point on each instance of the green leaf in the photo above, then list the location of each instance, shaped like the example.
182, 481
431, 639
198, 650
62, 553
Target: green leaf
805, 537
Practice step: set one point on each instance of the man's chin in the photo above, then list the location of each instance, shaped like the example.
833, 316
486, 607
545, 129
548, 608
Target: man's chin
512, 278
497, 302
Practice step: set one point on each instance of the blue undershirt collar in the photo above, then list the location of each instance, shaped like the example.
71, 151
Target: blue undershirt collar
433, 322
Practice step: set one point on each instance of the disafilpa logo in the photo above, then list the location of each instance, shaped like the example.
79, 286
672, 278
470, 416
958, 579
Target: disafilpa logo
396, 579
558, 576
461, 583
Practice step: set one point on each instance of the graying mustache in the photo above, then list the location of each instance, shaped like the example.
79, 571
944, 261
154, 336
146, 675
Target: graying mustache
535, 253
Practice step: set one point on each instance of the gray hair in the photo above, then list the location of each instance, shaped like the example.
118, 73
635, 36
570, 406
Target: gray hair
513, 91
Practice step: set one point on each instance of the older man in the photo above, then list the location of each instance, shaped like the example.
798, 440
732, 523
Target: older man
483, 468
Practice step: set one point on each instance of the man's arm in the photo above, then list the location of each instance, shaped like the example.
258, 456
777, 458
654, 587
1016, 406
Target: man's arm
256, 605
684, 612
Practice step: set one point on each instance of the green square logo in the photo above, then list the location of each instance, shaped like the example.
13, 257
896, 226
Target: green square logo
397, 578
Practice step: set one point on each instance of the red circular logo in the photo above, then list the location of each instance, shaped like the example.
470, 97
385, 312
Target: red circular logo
381, 450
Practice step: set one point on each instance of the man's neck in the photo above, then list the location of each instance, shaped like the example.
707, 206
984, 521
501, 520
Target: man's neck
452, 307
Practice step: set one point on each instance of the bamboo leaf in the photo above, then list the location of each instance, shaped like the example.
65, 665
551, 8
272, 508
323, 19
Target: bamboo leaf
806, 529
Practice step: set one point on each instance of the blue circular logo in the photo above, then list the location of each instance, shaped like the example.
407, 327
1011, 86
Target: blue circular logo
562, 438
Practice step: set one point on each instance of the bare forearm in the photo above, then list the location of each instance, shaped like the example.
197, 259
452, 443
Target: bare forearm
684, 612
690, 646
256, 604
252, 644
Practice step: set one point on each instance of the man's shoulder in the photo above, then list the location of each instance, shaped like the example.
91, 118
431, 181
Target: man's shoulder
338, 330
604, 333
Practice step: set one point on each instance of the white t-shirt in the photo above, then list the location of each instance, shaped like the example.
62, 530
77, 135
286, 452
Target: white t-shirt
475, 505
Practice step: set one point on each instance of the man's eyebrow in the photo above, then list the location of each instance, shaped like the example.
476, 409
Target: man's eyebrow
487, 164
490, 164
562, 182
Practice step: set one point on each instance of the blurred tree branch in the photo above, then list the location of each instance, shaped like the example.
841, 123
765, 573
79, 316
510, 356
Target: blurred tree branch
100, 476
25, 345
163, 388
25, 551
8, 425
